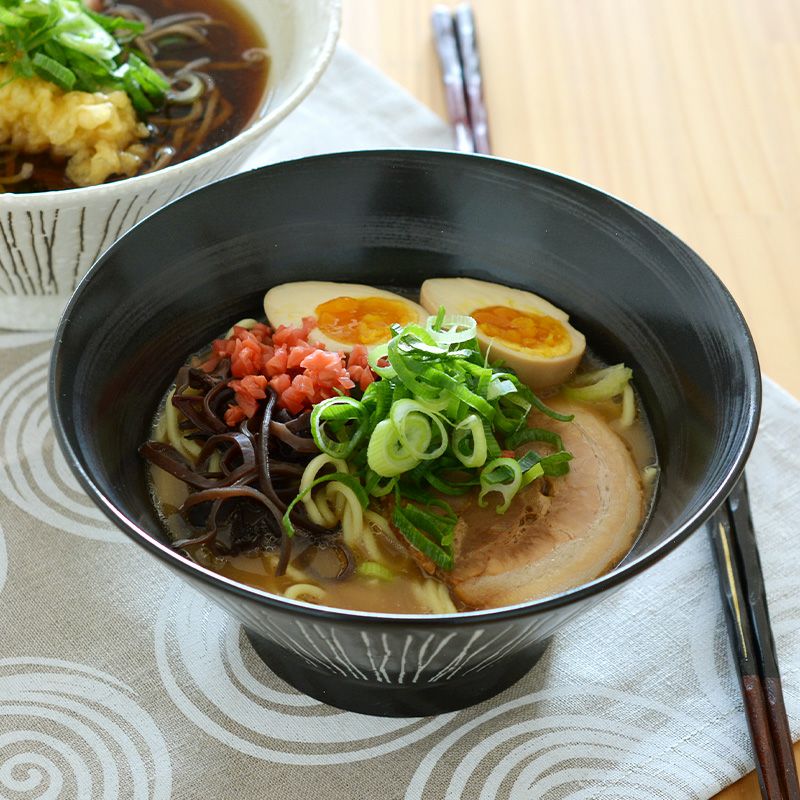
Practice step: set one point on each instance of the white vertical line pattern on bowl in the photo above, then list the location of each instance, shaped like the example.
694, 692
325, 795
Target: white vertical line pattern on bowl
406, 658
220, 685
49, 240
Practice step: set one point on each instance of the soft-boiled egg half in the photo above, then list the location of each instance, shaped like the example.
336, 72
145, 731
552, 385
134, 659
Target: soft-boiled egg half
529, 334
347, 314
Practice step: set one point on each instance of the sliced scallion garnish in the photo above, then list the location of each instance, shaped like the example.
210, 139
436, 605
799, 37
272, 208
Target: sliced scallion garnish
600, 385
348, 420
469, 442
373, 569
64, 43
440, 419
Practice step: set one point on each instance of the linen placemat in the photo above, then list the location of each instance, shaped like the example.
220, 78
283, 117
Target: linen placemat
118, 681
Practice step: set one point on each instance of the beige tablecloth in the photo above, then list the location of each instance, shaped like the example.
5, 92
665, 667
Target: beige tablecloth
118, 681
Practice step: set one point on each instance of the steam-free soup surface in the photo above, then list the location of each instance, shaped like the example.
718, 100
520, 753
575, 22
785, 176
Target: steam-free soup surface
411, 591
410, 471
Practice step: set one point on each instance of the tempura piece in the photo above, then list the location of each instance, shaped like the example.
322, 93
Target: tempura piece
99, 134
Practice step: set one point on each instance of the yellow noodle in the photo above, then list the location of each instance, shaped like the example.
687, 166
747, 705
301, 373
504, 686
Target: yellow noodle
305, 591
434, 596
628, 408
367, 541
175, 435
379, 524
352, 517
292, 573
319, 513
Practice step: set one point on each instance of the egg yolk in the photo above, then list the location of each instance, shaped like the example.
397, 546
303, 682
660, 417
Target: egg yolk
362, 320
539, 333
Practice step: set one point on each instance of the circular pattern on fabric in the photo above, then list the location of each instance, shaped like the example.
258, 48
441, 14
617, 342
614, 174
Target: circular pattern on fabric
214, 677
554, 752
709, 646
35, 475
3, 560
9, 339
67, 730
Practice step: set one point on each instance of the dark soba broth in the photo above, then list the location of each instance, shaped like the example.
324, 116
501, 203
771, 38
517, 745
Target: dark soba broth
232, 60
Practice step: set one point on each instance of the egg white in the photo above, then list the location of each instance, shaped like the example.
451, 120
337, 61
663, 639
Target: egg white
466, 295
288, 303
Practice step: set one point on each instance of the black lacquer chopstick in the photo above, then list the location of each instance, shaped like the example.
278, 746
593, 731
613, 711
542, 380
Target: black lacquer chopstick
464, 21
747, 617
453, 77
741, 517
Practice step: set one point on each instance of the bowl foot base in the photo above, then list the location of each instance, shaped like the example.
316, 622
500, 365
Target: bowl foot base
395, 700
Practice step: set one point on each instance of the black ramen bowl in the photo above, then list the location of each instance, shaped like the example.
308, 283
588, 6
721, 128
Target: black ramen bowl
393, 219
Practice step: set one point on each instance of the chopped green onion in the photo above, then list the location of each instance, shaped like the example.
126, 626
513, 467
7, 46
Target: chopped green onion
469, 442
465, 395
534, 435
501, 475
417, 428
339, 412
49, 69
74, 48
431, 424
603, 384
10, 19
440, 529
531, 474
451, 330
377, 399
441, 555
499, 385
372, 569
493, 448
511, 412
452, 488
378, 486
113, 24
554, 465
386, 454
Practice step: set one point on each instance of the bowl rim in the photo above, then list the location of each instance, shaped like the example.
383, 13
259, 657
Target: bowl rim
253, 131
570, 597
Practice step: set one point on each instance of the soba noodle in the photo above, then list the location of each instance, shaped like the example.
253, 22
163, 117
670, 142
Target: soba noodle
216, 67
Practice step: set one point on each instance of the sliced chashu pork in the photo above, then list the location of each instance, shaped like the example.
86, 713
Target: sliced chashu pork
558, 532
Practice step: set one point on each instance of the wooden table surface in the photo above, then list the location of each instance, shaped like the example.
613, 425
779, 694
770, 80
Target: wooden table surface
688, 109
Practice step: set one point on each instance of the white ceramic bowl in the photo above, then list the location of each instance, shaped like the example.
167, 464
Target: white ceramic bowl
49, 240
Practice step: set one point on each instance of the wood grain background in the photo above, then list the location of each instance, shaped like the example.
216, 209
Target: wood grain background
688, 109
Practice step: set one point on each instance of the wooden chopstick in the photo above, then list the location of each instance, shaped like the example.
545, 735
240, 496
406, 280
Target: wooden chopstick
747, 617
473, 80
453, 77
739, 509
